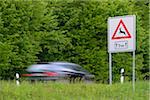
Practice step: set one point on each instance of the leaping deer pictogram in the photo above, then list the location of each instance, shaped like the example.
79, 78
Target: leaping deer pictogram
122, 31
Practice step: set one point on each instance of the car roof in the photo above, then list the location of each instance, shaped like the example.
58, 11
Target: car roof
58, 63
63, 63
52, 67
37, 67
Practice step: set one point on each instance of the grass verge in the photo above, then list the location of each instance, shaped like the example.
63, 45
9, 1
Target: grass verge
65, 91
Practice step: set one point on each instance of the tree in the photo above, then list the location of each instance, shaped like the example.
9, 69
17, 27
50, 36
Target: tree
70, 30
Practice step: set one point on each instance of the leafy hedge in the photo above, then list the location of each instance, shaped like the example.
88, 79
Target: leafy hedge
71, 30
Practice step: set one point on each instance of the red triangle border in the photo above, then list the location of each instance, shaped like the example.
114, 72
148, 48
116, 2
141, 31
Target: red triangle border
122, 37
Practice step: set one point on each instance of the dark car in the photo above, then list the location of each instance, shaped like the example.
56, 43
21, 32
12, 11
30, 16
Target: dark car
55, 71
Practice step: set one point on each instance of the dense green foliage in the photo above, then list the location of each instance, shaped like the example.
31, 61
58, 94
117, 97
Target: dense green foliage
70, 30
60, 91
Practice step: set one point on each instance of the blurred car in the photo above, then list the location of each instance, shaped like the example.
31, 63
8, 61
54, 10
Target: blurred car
57, 71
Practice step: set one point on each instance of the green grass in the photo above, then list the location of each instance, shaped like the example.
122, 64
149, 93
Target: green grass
66, 91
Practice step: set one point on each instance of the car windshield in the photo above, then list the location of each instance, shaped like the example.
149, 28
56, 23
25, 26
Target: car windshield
55, 67
74, 67
47, 67
37, 68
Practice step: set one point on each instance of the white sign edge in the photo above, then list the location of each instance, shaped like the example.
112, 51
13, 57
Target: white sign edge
134, 33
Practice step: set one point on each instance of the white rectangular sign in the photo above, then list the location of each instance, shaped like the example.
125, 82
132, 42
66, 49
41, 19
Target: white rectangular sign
121, 34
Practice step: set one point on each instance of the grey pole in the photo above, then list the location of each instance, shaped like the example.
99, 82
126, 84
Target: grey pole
133, 70
110, 69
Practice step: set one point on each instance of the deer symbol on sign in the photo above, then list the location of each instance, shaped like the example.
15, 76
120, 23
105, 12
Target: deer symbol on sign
120, 31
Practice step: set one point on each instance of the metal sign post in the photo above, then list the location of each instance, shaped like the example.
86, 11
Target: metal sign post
133, 71
110, 69
122, 38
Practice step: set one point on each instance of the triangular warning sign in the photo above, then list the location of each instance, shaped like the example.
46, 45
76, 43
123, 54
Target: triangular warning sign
121, 31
